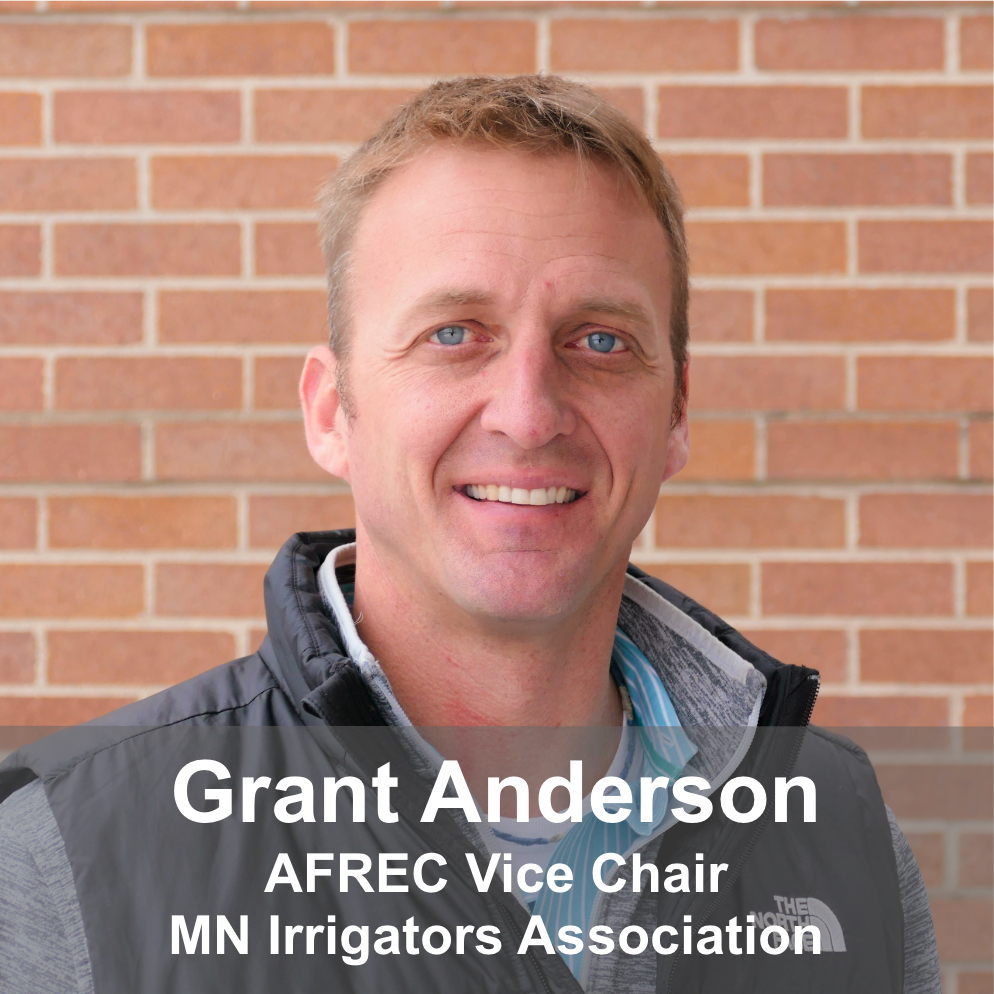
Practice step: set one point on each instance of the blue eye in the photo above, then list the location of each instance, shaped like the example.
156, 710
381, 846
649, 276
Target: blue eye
599, 341
452, 334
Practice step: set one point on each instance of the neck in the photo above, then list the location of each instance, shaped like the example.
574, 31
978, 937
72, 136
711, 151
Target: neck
447, 668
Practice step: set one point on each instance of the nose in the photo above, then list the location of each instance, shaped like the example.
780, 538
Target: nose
527, 393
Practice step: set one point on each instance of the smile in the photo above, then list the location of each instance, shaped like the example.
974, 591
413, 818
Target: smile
519, 495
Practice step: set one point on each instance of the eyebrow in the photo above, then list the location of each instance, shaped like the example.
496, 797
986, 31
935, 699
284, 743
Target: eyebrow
617, 308
442, 299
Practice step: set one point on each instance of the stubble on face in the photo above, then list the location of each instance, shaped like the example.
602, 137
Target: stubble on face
530, 257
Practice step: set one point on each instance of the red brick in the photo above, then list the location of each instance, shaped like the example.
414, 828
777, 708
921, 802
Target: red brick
293, 48
979, 179
147, 250
276, 379
85, 318
911, 589
70, 591
711, 180
201, 590
973, 982
242, 182
981, 450
234, 451
721, 316
747, 248
925, 383
770, 521
20, 384
920, 521
67, 184
978, 739
833, 711
644, 45
860, 315
70, 453
128, 657
926, 112
17, 657
630, 100
975, 43
936, 790
978, 712
20, 119
821, 649
287, 249
17, 523
862, 450
113, 117
767, 383
65, 49
442, 47
980, 314
256, 638
274, 518
979, 583
752, 112
838, 180
963, 928
143, 6
142, 522
126, 384
925, 247
841, 43
929, 849
243, 316
56, 711
323, 115
976, 860
722, 587
721, 450
20, 250
925, 656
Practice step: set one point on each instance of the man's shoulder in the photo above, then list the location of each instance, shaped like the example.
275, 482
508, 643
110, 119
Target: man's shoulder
243, 691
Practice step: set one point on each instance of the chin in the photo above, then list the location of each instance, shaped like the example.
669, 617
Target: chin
519, 587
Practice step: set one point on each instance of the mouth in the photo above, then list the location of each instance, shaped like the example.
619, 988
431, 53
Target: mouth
537, 497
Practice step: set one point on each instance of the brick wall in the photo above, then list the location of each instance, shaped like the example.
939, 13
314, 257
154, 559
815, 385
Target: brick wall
159, 283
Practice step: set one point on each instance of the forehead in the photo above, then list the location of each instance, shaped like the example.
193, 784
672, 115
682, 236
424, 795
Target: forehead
508, 217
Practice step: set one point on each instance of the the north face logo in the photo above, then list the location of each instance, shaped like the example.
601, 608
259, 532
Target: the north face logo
793, 911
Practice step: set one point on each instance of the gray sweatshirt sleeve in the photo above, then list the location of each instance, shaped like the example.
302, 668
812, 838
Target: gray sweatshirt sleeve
921, 958
42, 944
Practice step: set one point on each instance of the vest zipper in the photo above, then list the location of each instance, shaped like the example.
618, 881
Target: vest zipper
732, 877
517, 938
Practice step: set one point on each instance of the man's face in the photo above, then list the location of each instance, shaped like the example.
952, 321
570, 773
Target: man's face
509, 335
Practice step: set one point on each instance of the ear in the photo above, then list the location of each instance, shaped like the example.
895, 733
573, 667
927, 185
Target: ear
325, 425
678, 448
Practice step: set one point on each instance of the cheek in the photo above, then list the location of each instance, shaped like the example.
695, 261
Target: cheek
634, 433
404, 427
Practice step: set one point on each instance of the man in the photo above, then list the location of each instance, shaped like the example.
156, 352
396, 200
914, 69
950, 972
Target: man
505, 390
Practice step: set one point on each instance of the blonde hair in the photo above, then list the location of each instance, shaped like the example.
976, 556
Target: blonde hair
540, 114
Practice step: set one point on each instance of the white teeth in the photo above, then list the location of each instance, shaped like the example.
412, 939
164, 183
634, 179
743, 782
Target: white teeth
519, 495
